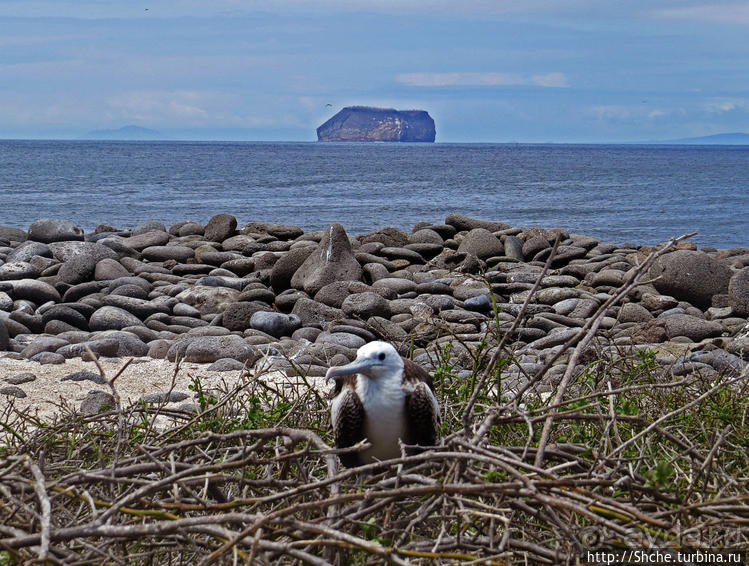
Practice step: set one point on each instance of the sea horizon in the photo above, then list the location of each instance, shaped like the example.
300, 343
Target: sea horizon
629, 193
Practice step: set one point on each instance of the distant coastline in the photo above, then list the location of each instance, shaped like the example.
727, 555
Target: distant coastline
734, 138
126, 133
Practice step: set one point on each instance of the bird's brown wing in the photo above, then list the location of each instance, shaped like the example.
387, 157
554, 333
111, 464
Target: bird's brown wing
414, 373
349, 425
422, 408
422, 414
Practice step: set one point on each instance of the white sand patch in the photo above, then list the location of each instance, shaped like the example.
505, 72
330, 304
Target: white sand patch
47, 394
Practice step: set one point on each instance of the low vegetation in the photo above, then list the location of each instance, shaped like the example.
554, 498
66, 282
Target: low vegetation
617, 455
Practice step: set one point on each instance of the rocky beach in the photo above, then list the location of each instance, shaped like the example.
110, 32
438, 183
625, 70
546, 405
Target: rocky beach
226, 300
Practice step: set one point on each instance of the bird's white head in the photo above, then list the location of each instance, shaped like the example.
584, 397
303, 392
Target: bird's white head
373, 360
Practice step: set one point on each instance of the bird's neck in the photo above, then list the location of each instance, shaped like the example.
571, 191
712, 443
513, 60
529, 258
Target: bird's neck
382, 393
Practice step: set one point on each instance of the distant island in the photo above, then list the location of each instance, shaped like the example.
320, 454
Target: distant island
367, 124
126, 133
736, 138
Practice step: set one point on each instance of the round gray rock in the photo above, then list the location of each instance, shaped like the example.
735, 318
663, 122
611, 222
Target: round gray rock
690, 276
238, 316
65, 251
164, 253
481, 243
112, 318
96, 402
48, 358
738, 293
690, 326
49, 230
20, 378
366, 305
36, 291
634, 312
27, 250
208, 349
13, 391
149, 226
107, 269
275, 323
18, 270
534, 245
146, 239
345, 339
77, 270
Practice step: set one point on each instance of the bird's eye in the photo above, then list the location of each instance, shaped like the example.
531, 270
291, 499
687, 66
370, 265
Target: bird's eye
381, 356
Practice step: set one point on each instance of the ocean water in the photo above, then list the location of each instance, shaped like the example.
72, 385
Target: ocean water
618, 193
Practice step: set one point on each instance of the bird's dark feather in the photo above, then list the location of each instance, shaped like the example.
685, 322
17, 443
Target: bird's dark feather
349, 426
422, 419
414, 373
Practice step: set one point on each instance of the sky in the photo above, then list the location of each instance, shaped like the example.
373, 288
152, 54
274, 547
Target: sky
578, 71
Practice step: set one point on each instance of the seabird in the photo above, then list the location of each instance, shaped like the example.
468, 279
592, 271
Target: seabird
383, 398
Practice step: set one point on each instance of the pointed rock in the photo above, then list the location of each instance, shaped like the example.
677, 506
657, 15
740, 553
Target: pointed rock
333, 260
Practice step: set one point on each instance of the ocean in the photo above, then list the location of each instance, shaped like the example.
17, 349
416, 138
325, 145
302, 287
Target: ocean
637, 194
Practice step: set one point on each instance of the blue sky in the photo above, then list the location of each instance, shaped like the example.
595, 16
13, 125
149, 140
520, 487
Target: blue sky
487, 71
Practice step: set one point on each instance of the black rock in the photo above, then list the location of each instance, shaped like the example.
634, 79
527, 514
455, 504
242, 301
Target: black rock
77, 270
4, 337
66, 314
84, 376
285, 268
163, 253
13, 391
461, 222
238, 316
96, 402
226, 364
34, 290
77, 292
20, 378
169, 397
48, 358
10, 234
220, 227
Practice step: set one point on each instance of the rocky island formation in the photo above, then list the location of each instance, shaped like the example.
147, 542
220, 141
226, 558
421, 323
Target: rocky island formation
366, 124
265, 294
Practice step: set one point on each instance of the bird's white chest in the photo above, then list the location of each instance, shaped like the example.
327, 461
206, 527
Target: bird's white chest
384, 405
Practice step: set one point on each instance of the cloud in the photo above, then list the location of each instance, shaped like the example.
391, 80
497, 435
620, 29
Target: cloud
722, 105
481, 79
633, 113
161, 105
556, 80
94, 9
737, 13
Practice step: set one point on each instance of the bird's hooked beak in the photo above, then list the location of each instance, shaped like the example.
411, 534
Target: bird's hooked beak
359, 365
